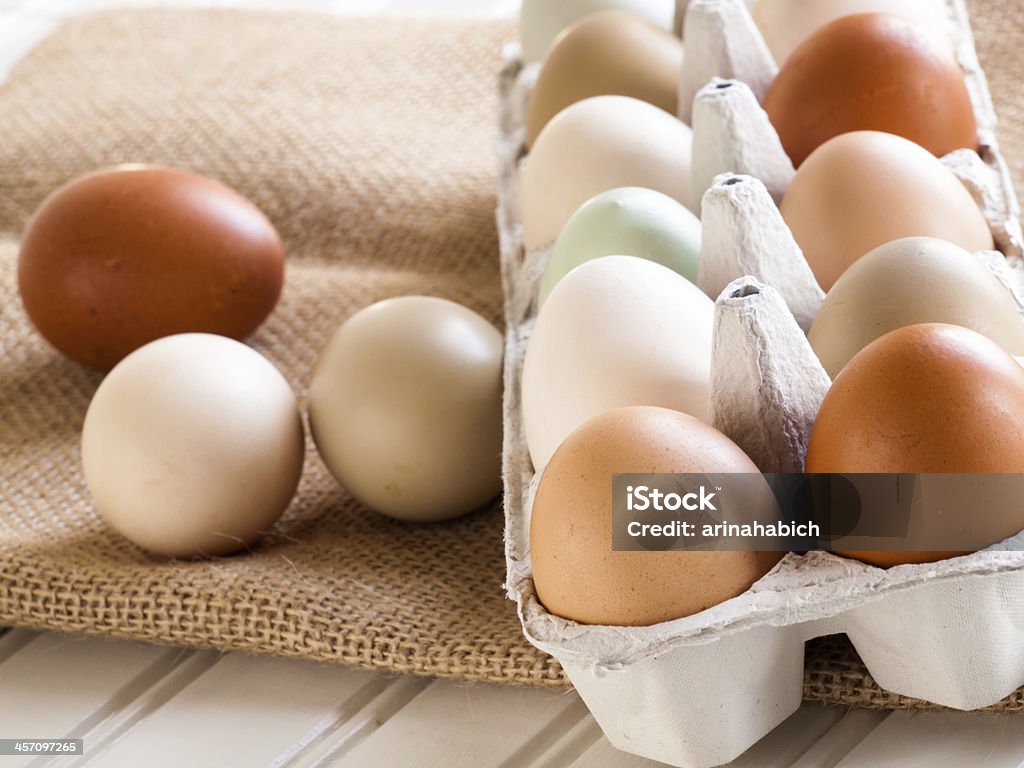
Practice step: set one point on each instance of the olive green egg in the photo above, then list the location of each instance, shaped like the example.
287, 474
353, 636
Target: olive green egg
629, 221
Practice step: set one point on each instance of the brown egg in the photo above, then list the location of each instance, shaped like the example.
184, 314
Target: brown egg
861, 190
126, 255
611, 53
929, 398
576, 573
871, 71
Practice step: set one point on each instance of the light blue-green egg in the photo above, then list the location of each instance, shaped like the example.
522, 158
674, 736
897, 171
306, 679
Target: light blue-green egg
629, 221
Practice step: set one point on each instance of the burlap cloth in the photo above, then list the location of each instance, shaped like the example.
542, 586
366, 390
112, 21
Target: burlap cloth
370, 144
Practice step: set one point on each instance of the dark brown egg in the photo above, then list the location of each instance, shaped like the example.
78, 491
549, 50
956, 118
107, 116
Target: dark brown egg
874, 72
126, 255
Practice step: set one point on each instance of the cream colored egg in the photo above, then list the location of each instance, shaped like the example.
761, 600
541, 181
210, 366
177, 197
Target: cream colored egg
598, 144
911, 281
785, 24
614, 332
405, 408
192, 445
861, 190
541, 21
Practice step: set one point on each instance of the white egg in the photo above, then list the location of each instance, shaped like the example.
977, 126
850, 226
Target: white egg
192, 445
616, 331
596, 145
541, 21
405, 408
787, 23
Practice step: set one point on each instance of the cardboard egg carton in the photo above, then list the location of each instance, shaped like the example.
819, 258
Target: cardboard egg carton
699, 691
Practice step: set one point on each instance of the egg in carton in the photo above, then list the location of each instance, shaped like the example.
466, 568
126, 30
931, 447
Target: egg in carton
700, 690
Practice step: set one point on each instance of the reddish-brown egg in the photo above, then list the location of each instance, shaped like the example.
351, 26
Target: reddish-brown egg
577, 574
126, 255
871, 71
930, 398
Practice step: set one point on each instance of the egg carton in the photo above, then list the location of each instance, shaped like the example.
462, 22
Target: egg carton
699, 691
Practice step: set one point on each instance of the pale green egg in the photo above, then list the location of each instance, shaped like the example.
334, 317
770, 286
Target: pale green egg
629, 221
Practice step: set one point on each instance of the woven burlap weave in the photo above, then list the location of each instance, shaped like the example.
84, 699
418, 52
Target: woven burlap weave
370, 144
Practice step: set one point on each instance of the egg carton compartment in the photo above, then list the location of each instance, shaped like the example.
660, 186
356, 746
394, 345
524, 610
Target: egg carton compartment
700, 690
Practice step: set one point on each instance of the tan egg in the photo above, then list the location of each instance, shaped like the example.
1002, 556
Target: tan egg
576, 573
595, 145
929, 398
911, 281
864, 189
613, 52
540, 21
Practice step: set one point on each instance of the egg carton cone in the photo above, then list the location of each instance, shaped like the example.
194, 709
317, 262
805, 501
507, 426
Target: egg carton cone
727, 70
699, 691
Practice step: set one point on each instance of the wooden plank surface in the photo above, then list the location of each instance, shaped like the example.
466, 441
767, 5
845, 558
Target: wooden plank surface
840, 740
778, 750
56, 685
139, 705
452, 724
244, 711
941, 740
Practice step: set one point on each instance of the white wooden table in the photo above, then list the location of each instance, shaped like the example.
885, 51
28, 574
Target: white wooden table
142, 705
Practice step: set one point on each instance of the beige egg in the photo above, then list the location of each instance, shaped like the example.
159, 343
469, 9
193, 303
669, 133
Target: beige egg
606, 53
541, 21
405, 408
861, 190
577, 574
192, 445
598, 144
787, 23
911, 281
